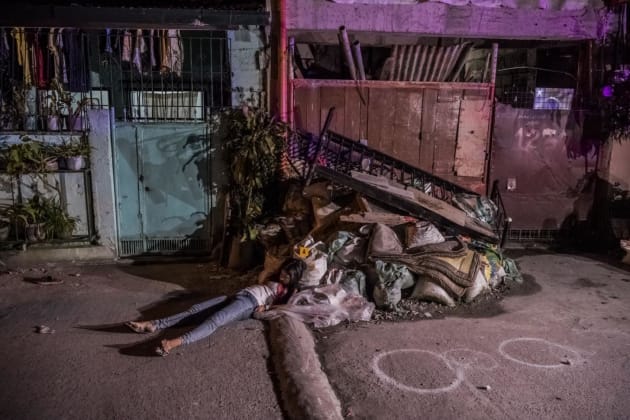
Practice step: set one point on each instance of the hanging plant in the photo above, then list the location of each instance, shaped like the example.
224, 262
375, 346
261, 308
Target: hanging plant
253, 147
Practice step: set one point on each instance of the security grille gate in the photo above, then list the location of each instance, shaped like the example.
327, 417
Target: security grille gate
165, 86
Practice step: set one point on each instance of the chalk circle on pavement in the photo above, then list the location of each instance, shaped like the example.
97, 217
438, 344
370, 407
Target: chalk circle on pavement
565, 350
457, 371
471, 359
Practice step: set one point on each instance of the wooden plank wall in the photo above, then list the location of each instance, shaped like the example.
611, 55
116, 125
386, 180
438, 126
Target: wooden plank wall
440, 129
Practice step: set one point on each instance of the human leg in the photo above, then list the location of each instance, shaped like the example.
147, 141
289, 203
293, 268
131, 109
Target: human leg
159, 324
240, 308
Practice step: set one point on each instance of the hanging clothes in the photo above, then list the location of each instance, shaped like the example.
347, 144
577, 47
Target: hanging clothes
152, 48
126, 46
76, 60
63, 63
23, 54
108, 41
139, 48
39, 62
52, 50
172, 52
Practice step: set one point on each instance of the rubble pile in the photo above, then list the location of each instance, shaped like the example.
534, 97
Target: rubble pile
361, 255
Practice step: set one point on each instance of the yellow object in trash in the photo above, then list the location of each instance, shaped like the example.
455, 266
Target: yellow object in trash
303, 252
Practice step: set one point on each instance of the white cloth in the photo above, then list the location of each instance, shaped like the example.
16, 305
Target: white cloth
263, 294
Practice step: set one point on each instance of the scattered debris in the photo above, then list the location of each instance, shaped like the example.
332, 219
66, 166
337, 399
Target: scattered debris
44, 281
485, 387
43, 329
374, 229
566, 362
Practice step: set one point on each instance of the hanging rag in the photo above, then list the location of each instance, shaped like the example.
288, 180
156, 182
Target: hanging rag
139, 48
39, 62
108, 41
126, 46
23, 55
172, 52
63, 67
52, 50
152, 34
76, 64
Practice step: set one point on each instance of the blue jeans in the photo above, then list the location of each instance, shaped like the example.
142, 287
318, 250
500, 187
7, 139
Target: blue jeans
240, 308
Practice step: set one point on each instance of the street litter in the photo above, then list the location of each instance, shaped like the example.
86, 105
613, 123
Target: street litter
378, 231
43, 329
44, 280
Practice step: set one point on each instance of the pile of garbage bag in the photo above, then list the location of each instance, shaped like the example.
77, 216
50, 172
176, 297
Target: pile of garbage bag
353, 267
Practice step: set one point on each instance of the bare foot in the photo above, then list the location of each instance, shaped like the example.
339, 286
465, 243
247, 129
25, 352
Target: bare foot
141, 326
167, 345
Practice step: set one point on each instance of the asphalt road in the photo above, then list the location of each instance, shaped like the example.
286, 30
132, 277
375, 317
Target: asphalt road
559, 347
559, 350
91, 369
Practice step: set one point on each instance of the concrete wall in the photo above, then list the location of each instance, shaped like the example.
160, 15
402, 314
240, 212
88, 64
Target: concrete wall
101, 163
439, 19
247, 61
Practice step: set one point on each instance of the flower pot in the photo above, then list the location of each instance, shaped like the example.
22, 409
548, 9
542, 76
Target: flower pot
52, 123
35, 232
75, 123
30, 123
75, 163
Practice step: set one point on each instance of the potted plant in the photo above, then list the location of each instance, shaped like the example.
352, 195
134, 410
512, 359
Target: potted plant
75, 120
254, 148
25, 217
54, 105
9, 109
28, 156
73, 154
57, 223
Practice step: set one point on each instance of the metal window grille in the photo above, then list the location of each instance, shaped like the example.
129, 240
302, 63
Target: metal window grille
147, 76
44, 73
164, 75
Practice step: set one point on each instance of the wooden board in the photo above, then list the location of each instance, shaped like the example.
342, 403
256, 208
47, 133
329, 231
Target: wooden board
352, 121
307, 107
472, 138
447, 114
407, 121
427, 129
333, 97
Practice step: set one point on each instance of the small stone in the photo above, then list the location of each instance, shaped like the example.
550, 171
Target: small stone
428, 315
566, 362
485, 387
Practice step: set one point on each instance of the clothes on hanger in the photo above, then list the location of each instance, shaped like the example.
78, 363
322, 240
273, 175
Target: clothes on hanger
52, 50
126, 46
108, 41
152, 33
139, 48
38, 62
172, 52
23, 56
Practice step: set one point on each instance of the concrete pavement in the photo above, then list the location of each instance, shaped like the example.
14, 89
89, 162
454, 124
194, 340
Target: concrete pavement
88, 369
562, 350
557, 348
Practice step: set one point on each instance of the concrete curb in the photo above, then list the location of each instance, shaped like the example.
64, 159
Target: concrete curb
306, 392
44, 255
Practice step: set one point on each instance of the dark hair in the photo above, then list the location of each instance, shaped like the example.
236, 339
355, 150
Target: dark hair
294, 268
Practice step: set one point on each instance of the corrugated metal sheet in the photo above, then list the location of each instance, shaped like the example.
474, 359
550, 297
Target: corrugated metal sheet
426, 63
